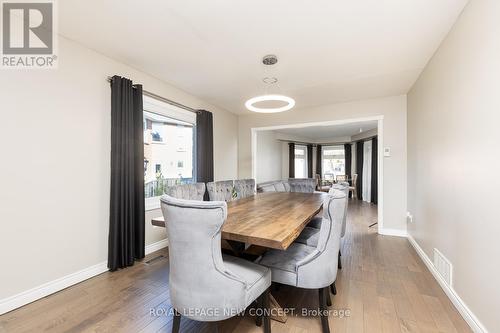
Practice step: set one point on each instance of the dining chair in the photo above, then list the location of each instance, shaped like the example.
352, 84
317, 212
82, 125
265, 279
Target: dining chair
244, 188
268, 188
304, 185
310, 234
274, 186
312, 267
353, 187
204, 284
319, 184
187, 191
341, 178
221, 190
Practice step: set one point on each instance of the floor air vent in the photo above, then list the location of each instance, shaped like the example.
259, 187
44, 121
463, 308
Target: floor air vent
443, 267
155, 259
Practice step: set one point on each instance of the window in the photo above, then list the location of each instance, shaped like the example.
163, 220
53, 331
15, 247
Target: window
333, 162
166, 129
300, 162
157, 131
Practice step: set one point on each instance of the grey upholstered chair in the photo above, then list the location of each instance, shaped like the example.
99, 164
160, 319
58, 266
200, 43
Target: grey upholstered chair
312, 267
274, 186
305, 185
205, 285
244, 188
310, 234
187, 191
221, 190
267, 188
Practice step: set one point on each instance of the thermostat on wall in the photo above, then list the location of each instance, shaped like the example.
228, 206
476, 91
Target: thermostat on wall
387, 151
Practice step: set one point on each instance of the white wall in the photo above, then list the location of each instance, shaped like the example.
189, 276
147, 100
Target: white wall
55, 170
454, 157
394, 111
268, 157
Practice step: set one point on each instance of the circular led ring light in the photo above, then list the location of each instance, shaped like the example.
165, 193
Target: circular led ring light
265, 98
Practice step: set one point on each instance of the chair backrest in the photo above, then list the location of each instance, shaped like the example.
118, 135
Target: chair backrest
187, 191
305, 185
221, 190
318, 182
354, 179
244, 188
344, 188
274, 186
198, 278
319, 268
267, 188
341, 178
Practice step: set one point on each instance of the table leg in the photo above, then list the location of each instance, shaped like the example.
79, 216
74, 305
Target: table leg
277, 312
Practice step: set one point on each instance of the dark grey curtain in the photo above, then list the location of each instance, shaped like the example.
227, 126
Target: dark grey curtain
126, 213
291, 160
359, 169
204, 148
309, 161
374, 184
318, 160
347, 154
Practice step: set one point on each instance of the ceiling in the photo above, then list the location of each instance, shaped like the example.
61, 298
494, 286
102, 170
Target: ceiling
329, 50
316, 133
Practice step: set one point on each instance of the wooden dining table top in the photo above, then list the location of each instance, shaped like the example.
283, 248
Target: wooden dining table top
271, 219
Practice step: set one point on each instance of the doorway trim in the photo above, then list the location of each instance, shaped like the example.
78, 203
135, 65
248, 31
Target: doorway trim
380, 157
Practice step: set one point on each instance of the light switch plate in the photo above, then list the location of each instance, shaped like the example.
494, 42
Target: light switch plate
387, 151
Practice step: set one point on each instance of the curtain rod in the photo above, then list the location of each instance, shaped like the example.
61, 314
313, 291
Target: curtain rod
163, 99
328, 143
313, 144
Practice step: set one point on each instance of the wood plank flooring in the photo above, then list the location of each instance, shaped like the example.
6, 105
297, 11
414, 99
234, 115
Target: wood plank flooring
383, 287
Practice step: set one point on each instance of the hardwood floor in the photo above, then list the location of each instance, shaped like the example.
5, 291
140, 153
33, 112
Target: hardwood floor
383, 287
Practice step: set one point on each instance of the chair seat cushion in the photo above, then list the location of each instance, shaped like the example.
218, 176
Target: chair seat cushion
308, 236
283, 264
257, 277
315, 222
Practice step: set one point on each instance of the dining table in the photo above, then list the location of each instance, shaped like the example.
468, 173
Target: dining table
269, 220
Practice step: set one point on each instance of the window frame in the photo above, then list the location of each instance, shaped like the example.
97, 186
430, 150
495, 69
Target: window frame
161, 108
302, 157
323, 150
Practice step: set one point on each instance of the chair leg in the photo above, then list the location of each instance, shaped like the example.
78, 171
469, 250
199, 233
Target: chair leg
323, 310
339, 264
328, 299
260, 306
177, 322
266, 307
333, 288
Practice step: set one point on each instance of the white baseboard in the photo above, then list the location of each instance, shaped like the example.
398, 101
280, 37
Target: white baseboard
392, 232
156, 246
28, 296
466, 313
31, 295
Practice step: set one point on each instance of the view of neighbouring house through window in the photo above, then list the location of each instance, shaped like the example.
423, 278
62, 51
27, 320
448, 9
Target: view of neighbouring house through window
168, 153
